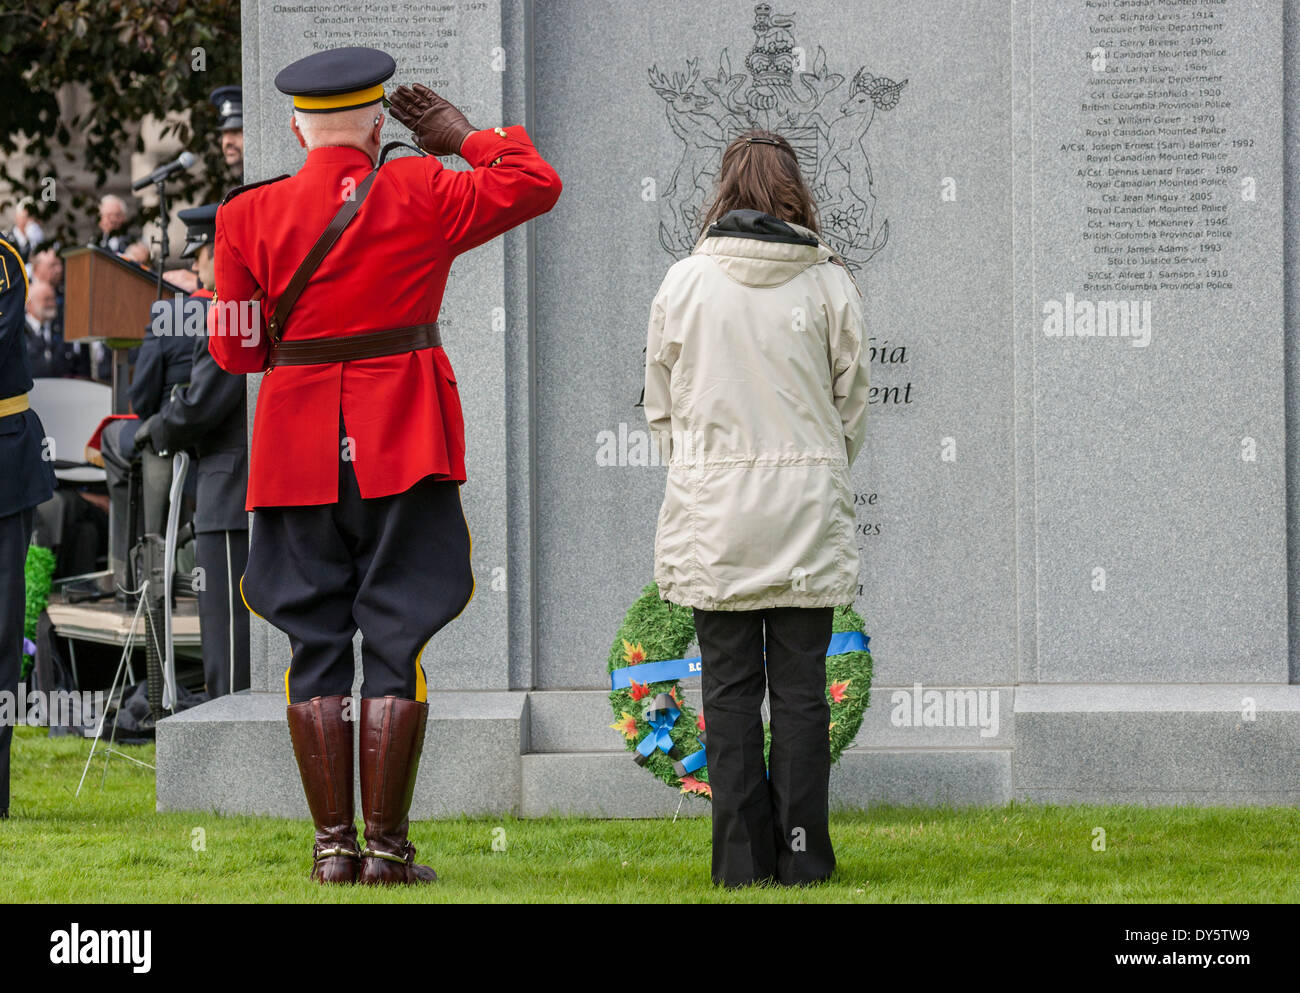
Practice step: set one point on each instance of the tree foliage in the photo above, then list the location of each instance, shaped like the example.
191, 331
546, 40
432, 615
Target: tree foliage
134, 59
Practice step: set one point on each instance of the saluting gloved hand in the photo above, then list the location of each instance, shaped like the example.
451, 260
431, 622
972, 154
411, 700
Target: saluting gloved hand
144, 435
439, 128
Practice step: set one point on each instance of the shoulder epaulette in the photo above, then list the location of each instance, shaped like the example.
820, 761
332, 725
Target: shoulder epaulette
250, 186
6, 277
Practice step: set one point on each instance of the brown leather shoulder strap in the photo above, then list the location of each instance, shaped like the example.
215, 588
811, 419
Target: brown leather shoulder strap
307, 268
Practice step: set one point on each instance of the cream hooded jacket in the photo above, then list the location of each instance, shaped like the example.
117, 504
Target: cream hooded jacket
756, 391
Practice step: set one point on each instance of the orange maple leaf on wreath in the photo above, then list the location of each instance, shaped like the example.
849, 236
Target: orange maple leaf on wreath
837, 691
625, 725
692, 785
633, 654
638, 690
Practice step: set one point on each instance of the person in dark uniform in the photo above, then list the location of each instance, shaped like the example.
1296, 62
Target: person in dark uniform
209, 415
229, 101
165, 358
27, 480
359, 443
163, 365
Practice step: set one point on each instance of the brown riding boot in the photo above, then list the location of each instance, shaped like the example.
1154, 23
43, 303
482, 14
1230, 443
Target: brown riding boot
392, 737
322, 743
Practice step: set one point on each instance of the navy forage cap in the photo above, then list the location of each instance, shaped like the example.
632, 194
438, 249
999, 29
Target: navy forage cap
336, 79
200, 227
229, 101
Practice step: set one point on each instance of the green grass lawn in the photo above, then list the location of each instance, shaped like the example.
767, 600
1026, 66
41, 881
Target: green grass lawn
111, 845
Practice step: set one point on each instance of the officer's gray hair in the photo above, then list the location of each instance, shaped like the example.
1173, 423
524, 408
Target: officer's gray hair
338, 127
109, 200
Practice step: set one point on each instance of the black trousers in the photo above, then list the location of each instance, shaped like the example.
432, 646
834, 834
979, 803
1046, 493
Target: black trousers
777, 826
395, 567
223, 621
15, 532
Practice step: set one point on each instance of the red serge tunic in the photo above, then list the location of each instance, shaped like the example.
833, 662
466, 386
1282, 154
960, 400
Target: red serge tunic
387, 270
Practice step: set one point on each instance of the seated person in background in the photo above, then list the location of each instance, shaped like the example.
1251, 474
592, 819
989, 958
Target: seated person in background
27, 231
162, 363
209, 416
47, 353
113, 233
162, 366
71, 523
47, 267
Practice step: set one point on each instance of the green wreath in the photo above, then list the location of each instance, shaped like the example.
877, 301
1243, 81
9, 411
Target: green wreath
39, 574
654, 629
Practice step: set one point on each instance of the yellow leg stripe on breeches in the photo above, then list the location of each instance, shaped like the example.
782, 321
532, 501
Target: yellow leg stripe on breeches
245, 599
421, 687
287, 698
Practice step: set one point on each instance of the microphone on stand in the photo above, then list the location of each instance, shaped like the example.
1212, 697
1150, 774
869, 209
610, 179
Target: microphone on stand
180, 164
159, 176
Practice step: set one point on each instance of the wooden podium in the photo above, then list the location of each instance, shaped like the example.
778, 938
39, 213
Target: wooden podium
109, 299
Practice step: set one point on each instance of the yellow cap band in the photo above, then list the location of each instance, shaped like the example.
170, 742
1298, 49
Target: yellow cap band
341, 101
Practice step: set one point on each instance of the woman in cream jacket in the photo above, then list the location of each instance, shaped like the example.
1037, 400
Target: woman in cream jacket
756, 390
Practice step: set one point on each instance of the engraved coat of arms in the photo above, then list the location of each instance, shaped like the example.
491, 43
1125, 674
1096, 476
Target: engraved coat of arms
825, 124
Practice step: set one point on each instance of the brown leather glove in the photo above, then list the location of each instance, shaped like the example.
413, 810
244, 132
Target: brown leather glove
439, 128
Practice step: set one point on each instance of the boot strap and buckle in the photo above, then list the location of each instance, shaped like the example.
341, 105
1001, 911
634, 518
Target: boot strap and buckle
326, 853
371, 853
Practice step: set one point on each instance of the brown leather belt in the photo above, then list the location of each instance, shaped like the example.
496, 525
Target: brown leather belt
367, 345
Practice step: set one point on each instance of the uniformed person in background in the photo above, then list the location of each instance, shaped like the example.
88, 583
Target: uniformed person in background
358, 444
164, 361
27, 479
229, 101
162, 365
209, 415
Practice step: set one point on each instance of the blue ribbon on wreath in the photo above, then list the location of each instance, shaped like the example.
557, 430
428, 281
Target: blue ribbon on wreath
661, 715
842, 642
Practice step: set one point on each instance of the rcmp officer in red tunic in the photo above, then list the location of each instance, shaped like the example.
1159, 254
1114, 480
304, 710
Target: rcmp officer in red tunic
358, 447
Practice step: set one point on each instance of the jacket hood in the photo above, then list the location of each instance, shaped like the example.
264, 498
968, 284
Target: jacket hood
757, 249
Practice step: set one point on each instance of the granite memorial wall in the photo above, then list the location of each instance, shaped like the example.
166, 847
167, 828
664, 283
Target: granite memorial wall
1067, 221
